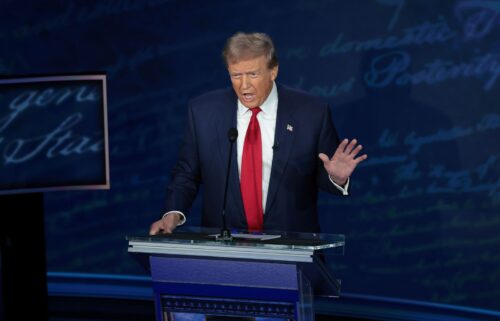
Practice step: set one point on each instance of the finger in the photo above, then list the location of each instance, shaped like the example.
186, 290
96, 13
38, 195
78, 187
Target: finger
342, 145
356, 150
361, 158
153, 230
169, 229
165, 229
351, 145
169, 224
324, 158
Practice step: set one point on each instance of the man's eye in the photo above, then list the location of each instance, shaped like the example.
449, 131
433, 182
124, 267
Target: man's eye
236, 76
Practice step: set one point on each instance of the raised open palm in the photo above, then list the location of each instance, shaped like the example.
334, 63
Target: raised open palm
343, 162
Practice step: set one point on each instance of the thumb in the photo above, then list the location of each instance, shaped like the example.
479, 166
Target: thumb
324, 157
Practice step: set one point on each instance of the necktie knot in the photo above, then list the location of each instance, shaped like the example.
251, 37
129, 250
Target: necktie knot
255, 111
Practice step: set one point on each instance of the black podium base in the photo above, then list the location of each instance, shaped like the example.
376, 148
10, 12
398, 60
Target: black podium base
22, 256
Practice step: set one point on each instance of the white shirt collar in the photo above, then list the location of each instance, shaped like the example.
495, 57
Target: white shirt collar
269, 107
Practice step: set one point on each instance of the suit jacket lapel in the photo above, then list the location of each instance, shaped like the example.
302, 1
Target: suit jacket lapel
283, 141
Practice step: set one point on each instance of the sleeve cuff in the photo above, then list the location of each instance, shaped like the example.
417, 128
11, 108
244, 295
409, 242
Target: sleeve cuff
183, 217
344, 189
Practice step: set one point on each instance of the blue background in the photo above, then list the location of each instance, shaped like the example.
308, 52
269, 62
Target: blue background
415, 81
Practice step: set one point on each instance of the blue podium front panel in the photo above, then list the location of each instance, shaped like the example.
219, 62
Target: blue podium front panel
229, 287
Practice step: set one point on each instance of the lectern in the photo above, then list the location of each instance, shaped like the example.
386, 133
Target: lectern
258, 275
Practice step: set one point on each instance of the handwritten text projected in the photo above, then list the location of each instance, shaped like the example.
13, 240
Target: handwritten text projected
451, 47
48, 127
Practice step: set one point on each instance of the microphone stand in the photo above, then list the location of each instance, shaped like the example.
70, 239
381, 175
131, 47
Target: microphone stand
225, 233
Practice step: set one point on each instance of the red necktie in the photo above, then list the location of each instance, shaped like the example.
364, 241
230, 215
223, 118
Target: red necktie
251, 174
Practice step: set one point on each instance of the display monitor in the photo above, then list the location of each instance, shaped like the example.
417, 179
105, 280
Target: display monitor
53, 133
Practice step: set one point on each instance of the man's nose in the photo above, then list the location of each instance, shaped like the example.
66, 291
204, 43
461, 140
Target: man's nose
245, 82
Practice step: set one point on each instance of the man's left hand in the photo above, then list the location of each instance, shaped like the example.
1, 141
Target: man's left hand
344, 161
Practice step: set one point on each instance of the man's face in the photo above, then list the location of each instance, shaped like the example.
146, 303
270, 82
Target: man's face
252, 80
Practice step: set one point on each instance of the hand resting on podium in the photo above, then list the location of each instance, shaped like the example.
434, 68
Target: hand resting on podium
166, 224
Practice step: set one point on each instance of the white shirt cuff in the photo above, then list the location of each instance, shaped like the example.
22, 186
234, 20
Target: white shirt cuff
183, 217
344, 189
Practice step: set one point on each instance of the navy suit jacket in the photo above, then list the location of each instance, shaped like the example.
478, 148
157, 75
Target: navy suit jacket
304, 128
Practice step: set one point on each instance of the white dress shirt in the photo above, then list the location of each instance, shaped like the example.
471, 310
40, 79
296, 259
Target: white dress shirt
267, 123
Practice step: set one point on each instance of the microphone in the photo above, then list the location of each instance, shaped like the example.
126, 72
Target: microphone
225, 234
232, 134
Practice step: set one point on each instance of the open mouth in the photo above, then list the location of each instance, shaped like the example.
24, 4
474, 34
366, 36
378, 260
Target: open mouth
248, 97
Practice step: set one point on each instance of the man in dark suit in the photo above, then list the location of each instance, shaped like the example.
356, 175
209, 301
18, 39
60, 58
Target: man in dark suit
285, 137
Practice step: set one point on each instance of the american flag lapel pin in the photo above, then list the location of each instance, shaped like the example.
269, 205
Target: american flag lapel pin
289, 128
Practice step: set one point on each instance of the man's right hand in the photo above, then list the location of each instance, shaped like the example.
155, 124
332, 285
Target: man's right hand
166, 225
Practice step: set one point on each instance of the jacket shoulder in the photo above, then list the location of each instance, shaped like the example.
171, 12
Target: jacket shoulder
213, 98
301, 98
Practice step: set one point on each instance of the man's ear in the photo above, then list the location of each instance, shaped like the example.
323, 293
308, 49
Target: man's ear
274, 72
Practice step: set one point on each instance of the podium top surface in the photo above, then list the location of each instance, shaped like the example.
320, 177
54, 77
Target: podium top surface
203, 242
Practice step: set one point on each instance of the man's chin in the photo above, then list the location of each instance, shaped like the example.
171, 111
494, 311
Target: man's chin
249, 105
